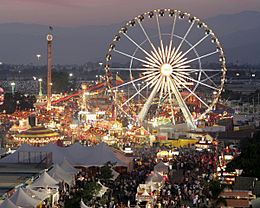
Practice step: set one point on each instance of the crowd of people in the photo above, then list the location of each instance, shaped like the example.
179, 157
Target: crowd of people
188, 181
186, 184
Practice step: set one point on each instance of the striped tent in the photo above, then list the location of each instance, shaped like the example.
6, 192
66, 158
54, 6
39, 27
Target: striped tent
37, 136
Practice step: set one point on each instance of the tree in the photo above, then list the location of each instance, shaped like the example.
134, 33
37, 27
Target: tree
248, 160
106, 172
89, 191
216, 188
60, 81
9, 104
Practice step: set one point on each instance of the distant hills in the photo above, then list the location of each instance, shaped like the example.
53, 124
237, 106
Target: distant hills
19, 43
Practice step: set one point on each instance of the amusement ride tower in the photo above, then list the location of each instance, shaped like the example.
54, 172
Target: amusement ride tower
49, 63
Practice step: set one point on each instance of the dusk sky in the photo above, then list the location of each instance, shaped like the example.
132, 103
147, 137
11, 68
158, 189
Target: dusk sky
99, 12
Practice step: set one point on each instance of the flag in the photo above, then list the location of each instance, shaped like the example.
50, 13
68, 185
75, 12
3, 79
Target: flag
119, 80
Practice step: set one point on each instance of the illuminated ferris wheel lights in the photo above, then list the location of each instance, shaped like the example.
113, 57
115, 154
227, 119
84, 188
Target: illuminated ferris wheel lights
117, 38
124, 30
199, 24
181, 15
171, 13
168, 69
161, 13
132, 23
141, 17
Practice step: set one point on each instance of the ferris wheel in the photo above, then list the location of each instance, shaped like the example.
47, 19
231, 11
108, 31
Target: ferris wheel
165, 64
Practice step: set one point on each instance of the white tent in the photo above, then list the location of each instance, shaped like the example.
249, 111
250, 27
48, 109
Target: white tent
45, 180
20, 198
83, 205
58, 154
65, 165
102, 191
60, 174
145, 193
77, 148
101, 154
256, 203
8, 204
39, 195
75, 154
161, 167
154, 177
115, 174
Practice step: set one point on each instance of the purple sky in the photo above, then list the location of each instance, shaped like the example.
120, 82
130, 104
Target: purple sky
98, 12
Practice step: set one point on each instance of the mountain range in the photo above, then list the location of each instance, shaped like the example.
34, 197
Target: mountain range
19, 42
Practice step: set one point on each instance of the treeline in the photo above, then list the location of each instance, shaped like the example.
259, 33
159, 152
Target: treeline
249, 158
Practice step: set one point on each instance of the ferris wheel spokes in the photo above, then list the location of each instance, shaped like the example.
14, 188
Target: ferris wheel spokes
184, 38
158, 27
138, 46
170, 100
195, 59
191, 48
145, 33
202, 83
177, 53
135, 80
193, 93
210, 78
184, 108
149, 101
133, 57
138, 92
133, 69
173, 28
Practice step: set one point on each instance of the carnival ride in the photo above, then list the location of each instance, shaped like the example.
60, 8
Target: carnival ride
68, 97
167, 72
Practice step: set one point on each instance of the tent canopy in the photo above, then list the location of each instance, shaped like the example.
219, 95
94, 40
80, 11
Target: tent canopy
76, 154
20, 198
8, 204
102, 191
154, 177
161, 167
60, 174
256, 203
115, 174
45, 180
39, 195
83, 205
65, 165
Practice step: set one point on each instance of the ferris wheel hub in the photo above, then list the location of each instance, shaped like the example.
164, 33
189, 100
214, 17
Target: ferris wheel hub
166, 69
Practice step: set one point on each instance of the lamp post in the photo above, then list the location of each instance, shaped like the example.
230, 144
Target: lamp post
13, 86
40, 87
38, 56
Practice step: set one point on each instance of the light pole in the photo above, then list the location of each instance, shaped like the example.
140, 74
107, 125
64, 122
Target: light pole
38, 56
13, 86
40, 87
